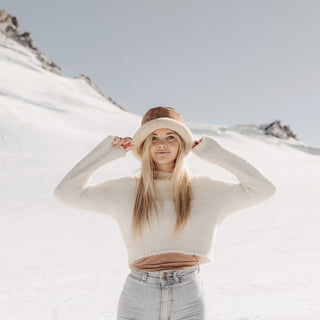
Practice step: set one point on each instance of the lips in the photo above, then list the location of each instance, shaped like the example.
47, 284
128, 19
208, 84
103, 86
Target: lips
163, 152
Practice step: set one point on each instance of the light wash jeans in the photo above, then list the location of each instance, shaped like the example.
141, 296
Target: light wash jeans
162, 295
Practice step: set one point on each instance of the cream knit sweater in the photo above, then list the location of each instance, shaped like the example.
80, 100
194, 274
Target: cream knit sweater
214, 200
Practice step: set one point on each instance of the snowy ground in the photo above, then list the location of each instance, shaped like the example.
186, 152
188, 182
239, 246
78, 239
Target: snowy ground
60, 263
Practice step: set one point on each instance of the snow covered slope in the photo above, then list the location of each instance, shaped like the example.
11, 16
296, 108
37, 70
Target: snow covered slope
60, 263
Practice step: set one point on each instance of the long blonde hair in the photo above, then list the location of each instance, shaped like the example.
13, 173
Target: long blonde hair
146, 197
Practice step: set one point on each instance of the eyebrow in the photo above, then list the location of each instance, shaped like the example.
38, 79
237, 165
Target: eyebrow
155, 134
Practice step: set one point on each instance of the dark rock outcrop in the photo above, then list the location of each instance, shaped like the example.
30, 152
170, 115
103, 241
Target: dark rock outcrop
278, 130
10, 27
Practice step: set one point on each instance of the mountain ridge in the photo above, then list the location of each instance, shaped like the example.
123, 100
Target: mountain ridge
10, 28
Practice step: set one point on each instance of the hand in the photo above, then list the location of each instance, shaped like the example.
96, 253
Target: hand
126, 143
197, 142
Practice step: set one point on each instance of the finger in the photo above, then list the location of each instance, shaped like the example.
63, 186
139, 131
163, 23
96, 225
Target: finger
127, 141
117, 142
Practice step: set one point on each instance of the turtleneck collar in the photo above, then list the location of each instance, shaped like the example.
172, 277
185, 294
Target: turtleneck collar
162, 175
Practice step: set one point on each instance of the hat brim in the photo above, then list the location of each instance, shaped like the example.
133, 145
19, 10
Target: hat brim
159, 123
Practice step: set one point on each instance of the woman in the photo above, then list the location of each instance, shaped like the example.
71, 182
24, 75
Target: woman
168, 218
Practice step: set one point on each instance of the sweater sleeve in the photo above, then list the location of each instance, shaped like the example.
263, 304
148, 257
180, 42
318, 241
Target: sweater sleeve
253, 186
74, 189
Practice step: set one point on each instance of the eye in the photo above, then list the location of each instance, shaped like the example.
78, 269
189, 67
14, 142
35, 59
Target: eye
154, 138
171, 137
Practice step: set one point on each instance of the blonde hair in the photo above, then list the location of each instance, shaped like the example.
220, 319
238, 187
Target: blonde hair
146, 197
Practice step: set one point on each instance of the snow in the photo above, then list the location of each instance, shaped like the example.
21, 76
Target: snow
60, 263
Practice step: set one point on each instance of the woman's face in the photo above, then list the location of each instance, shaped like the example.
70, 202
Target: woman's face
164, 149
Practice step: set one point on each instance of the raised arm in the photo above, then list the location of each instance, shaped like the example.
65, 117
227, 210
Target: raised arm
253, 187
74, 189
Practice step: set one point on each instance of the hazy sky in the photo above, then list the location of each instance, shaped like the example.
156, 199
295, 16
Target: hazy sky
221, 62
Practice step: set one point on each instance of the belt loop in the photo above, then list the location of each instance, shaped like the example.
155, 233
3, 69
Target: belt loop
144, 276
175, 276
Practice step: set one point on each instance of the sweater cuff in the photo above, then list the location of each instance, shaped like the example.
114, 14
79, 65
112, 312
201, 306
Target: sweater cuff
105, 152
208, 147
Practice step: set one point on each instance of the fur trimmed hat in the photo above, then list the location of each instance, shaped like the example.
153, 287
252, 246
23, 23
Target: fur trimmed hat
162, 117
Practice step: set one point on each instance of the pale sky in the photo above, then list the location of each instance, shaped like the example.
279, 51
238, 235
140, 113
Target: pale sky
219, 62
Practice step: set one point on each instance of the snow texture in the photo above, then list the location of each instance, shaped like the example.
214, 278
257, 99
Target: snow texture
59, 263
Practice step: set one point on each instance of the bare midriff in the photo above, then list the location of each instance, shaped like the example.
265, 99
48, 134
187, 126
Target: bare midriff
166, 261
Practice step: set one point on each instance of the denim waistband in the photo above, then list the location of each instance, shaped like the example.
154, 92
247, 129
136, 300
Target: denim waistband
173, 276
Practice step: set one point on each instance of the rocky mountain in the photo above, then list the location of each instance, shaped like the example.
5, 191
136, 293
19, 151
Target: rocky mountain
9, 26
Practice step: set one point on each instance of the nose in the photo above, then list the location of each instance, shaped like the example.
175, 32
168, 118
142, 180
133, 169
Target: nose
161, 145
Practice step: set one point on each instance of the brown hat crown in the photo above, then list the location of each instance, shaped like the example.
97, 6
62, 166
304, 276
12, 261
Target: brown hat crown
161, 112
